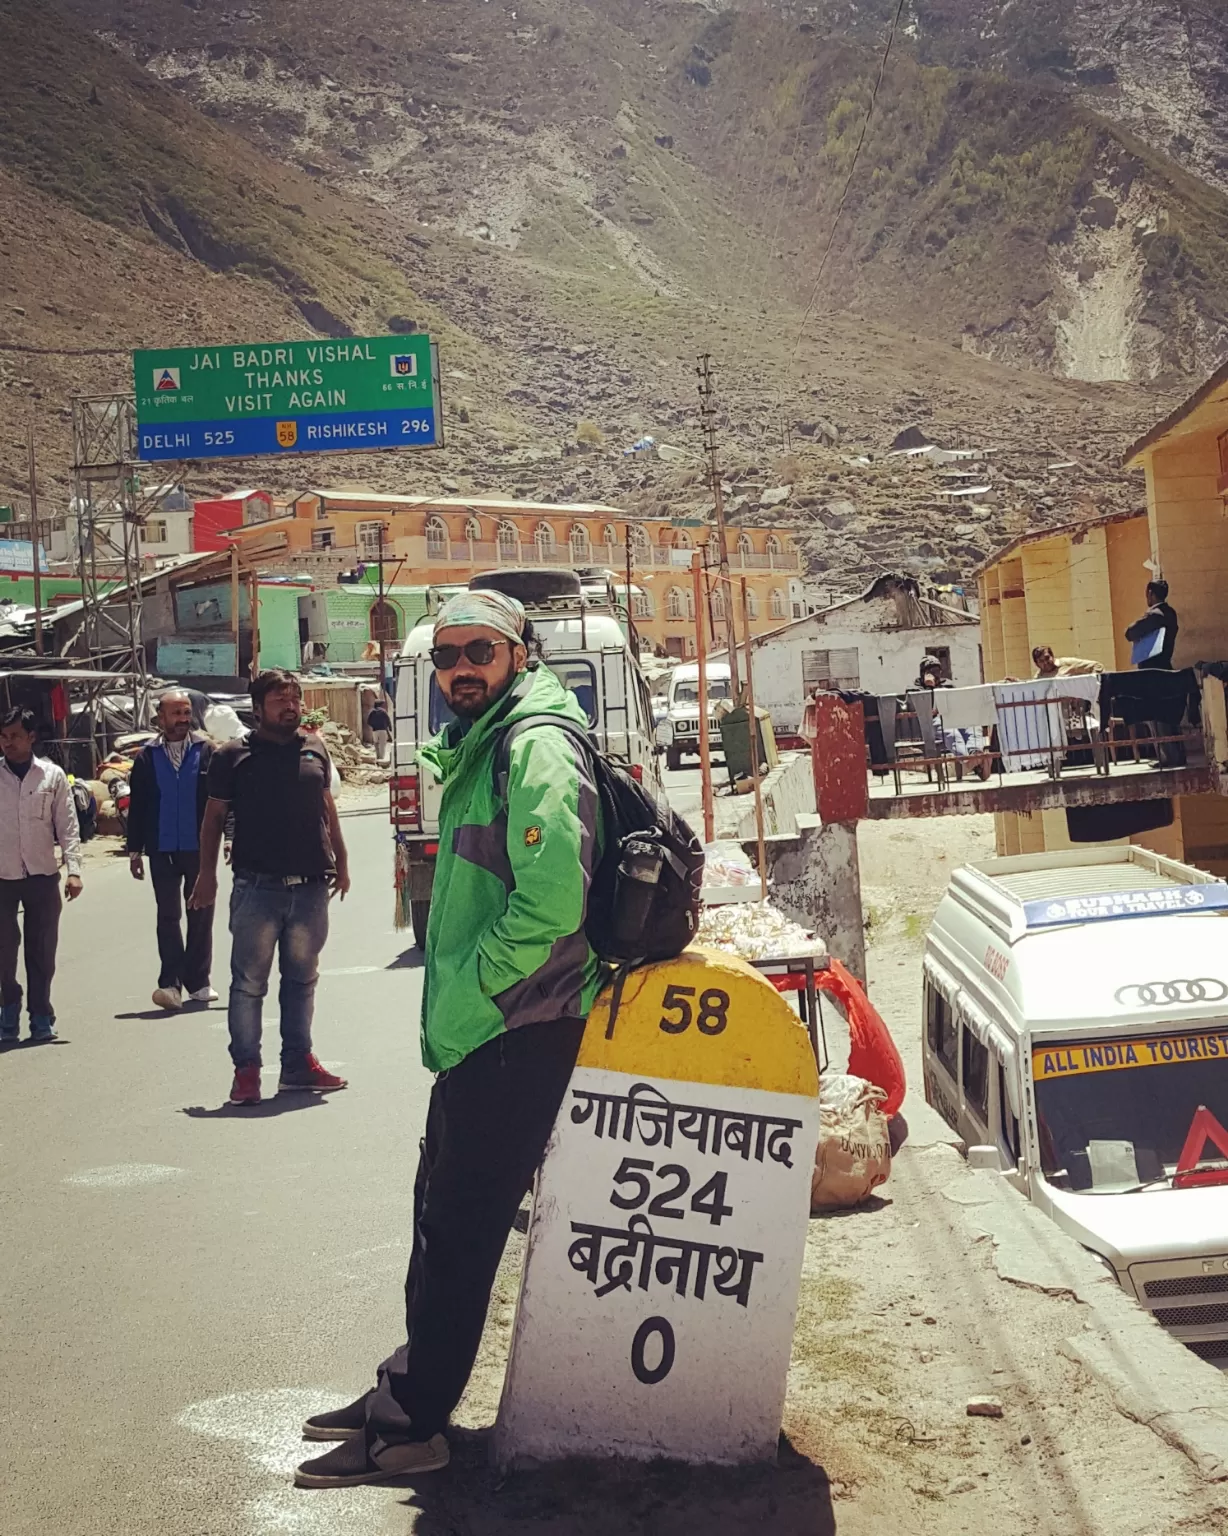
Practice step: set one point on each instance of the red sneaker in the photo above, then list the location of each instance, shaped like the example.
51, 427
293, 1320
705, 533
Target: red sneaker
246, 1086
311, 1078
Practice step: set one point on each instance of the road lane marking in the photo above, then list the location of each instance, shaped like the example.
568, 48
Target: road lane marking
124, 1176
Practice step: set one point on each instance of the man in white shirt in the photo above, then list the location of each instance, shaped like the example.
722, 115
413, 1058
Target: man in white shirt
37, 815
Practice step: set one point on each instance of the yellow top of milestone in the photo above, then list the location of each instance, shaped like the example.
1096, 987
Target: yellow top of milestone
706, 1017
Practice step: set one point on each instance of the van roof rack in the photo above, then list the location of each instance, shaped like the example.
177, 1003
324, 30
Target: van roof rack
1048, 890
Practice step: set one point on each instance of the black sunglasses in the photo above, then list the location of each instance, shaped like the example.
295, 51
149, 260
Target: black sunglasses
480, 652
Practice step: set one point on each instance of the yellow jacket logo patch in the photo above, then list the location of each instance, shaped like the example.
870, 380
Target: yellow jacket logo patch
532, 836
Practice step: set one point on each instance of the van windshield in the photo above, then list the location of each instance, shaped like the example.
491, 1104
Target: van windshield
1115, 1116
688, 693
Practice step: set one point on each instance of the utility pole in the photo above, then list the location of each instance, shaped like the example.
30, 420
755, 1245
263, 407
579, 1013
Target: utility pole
707, 416
34, 547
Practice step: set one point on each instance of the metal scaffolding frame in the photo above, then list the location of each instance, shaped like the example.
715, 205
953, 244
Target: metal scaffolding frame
110, 507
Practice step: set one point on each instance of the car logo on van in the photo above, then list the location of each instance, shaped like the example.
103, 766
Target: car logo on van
1156, 994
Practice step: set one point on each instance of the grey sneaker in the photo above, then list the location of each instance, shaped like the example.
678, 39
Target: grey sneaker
169, 998
349, 1463
340, 1424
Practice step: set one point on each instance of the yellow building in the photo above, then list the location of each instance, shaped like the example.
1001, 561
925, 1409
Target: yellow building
431, 541
1076, 588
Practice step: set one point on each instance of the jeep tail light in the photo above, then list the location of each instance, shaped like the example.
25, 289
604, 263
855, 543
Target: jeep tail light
404, 809
431, 850
637, 772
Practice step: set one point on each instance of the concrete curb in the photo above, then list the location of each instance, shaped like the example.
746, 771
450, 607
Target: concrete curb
1151, 1377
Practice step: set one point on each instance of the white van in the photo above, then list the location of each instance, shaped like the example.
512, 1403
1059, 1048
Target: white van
1076, 1039
585, 644
679, 732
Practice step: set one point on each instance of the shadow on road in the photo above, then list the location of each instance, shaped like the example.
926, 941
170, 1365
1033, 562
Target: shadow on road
262, 1111
615, 1498
407, 960
26, 1044
189, 1010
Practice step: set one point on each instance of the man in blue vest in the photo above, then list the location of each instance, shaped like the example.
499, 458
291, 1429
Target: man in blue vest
167, 804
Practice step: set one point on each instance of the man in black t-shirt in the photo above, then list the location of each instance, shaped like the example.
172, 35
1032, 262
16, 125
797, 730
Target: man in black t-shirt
289, 858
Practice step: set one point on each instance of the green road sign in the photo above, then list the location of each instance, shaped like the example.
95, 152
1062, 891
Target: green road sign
288, 397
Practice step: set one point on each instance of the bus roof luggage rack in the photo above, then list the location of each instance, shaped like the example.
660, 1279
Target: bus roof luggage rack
1044, 890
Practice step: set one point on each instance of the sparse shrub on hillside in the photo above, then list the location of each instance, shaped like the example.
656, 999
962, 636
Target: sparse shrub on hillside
788, 470
589, 437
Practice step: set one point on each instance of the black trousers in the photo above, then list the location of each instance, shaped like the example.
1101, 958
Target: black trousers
38, 897
486, 1130
184, 966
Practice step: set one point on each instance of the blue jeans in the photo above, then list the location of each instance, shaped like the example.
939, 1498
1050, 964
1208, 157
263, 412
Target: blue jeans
266, 916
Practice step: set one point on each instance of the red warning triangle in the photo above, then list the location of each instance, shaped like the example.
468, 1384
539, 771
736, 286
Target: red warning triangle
1204, 1127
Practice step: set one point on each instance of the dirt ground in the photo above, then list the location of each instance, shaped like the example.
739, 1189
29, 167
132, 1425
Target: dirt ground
902, 1319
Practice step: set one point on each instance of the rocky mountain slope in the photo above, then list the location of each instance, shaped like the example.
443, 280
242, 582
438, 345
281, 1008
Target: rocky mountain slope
579, 197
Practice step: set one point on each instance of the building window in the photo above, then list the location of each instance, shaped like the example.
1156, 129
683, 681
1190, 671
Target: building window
322, 538
581, 549
719, 611
639, 539
675, 603
744, 546
509, 542
780, 608
436, 539
775, 550
682, 539
155, 531
385, 623
826, 670
752, 604
473, 530
641, 605
543, 541
714, 549
370, 540
609, 537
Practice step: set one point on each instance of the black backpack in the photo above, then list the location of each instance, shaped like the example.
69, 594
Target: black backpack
643, 904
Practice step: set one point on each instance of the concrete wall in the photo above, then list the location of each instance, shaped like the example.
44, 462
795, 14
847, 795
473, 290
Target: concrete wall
1190, 535
1076, 591
1129, 546
787, 792
349, 616
888, 658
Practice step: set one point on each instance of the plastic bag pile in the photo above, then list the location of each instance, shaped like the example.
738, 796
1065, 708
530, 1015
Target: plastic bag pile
756, 931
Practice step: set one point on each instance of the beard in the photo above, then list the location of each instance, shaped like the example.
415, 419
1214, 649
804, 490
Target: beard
472, 696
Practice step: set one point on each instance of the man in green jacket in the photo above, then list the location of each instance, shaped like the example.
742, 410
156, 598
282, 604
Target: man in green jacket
510, 978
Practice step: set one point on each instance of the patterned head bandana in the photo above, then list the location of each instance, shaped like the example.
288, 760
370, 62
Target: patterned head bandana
491, 610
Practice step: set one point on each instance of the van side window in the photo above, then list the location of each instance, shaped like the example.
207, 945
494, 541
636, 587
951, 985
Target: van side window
941, 1030
976, 1075
1010, 1125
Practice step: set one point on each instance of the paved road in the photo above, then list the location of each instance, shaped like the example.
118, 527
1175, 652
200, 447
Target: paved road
181, 1281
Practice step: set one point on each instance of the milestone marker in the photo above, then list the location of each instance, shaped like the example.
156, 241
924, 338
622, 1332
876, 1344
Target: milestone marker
665, 1249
